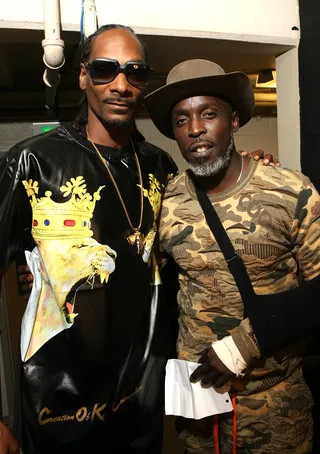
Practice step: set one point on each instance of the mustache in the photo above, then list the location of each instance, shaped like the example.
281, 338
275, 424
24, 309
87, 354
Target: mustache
200, 140
127, 102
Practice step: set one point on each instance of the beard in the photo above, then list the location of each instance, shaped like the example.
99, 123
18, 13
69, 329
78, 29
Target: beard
201, 169
114, 123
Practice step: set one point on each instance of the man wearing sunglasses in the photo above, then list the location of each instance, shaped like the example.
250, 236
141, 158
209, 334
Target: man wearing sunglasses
83, 200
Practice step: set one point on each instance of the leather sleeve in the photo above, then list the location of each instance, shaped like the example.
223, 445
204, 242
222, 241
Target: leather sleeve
15, 212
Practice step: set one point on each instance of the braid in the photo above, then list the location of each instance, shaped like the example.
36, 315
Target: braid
82, 118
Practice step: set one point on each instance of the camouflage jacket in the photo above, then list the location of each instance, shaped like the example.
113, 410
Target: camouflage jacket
272, 217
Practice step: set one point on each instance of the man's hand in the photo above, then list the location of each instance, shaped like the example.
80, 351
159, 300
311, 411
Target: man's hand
259, 154
25, 280
212, 372
8, 444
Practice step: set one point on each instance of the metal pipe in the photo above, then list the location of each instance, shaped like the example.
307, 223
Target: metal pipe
53, 47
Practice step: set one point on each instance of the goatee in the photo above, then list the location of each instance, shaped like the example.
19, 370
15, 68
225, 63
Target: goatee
216, 167
117, 123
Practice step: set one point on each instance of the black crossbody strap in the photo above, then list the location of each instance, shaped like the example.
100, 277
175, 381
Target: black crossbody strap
234, 262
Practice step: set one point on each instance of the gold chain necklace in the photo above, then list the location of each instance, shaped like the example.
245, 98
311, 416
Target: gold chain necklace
137, 237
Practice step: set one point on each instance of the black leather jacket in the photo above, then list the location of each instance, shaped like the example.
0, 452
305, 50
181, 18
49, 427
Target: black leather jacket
97, 385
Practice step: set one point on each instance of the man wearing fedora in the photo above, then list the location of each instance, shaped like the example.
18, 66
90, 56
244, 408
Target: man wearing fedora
272, 218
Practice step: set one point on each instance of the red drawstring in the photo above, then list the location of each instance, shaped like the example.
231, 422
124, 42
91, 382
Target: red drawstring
216, 430
216, 434
234, 451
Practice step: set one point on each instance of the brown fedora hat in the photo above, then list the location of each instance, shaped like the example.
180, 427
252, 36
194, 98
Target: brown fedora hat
200, 78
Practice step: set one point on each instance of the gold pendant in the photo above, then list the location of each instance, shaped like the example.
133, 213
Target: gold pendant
137, 238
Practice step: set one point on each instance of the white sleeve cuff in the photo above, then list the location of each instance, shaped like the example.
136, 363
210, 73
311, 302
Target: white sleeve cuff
230, 355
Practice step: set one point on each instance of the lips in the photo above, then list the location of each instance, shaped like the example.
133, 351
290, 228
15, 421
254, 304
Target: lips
200, 147
119, 104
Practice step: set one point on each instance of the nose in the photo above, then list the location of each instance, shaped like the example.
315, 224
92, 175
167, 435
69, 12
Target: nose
120, 84
196, 127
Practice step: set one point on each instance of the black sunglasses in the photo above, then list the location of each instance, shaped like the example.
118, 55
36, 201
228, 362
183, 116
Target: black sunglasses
105, 70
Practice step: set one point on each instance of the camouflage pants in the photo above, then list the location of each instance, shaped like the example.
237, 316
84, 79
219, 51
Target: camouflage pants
275, 421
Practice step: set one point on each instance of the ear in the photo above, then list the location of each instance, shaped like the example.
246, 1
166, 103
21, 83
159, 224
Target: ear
235, 122
83, 77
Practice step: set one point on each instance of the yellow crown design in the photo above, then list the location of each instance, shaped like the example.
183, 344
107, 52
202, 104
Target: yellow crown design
70, 219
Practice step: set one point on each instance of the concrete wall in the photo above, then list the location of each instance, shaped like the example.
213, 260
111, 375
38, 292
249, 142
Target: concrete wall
288, 104
259, 133
255, 20
11, 133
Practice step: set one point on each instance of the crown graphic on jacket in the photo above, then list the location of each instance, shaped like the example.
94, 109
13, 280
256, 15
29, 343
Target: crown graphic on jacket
70, 219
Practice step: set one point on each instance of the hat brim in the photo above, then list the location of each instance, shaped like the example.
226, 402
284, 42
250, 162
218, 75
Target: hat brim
234, 87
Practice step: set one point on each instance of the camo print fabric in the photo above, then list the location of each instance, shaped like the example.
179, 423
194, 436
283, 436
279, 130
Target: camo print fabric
273, 220
275, 421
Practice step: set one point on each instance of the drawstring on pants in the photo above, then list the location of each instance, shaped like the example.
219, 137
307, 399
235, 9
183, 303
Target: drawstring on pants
216, 429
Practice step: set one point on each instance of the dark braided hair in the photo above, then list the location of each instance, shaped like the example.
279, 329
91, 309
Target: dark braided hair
81, 119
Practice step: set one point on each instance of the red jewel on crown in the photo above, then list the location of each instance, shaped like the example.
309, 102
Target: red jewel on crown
69, 223
35, 222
